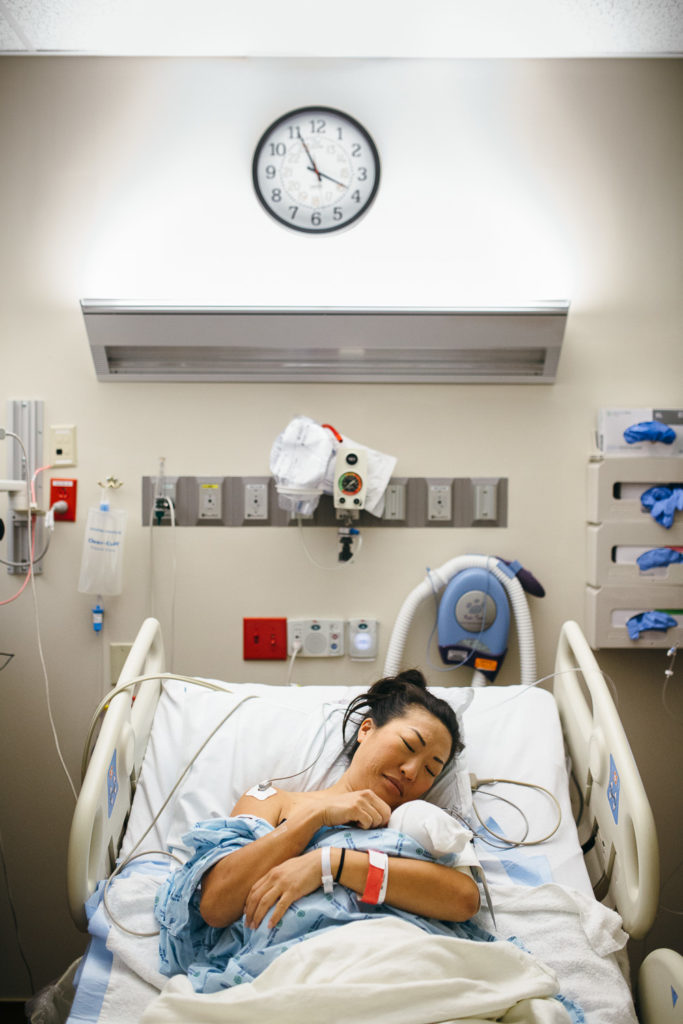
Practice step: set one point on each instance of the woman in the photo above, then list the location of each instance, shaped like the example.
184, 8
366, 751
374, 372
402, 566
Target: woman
406, 740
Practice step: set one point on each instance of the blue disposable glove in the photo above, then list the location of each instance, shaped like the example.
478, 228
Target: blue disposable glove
658, 556
662, 503
651, 430
637, 624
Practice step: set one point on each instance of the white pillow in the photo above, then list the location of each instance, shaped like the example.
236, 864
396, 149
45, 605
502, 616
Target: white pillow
272, 732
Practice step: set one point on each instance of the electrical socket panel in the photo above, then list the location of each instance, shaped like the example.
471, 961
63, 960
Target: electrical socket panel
395, 501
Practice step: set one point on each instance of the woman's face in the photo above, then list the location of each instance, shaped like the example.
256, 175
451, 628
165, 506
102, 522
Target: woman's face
400, 760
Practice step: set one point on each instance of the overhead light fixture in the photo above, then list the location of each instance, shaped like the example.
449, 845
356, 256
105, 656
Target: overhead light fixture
133, 341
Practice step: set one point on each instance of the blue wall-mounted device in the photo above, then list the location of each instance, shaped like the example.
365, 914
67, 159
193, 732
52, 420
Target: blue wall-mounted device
474, 621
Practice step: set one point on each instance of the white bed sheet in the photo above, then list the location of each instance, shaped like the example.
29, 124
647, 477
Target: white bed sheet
511, 732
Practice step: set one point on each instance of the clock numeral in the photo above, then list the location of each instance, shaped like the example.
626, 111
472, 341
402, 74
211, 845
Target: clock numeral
356, 149
317, 125
316, 219
294, 131
362, 174
277, 148
293, 210
337, 213
276, 195
356, 196
340, 133
270, 172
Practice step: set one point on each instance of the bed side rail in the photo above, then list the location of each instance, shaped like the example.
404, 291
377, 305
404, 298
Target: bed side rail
109, 783
614, 797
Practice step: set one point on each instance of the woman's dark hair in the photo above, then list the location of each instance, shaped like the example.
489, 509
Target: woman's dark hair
390, 698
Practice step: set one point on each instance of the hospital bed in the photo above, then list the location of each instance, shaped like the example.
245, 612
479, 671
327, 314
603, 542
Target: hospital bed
543, 895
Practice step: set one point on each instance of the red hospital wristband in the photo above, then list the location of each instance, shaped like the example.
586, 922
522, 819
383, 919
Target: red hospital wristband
377, 868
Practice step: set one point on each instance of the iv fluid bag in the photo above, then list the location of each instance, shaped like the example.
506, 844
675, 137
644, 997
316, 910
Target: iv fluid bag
102, 561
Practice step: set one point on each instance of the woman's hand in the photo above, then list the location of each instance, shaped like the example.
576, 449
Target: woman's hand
281, 886
359, 807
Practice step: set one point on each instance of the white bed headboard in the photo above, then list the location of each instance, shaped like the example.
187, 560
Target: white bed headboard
614, 797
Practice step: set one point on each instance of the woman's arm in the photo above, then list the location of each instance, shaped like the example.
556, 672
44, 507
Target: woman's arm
418, 886
421, 887
227, 884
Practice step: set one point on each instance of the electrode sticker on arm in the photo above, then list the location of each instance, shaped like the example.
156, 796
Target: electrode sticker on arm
259, 793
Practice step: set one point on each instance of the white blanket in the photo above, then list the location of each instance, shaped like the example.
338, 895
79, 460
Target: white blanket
385, 969
577, 938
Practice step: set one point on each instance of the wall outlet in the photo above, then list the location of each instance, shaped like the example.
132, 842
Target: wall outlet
210, 498
439, 503
63, 489
256, 501
395, 501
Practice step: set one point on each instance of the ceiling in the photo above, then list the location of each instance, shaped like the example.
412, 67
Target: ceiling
361, 28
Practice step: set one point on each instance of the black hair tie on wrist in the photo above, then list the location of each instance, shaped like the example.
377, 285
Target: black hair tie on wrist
341, 864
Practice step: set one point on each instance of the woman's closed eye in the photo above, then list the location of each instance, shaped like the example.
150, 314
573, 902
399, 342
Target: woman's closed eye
412, 751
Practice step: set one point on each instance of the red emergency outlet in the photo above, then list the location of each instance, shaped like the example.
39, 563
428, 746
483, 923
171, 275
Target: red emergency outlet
63, 489
265, 639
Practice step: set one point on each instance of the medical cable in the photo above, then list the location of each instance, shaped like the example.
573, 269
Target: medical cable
668, 675
477, 784
174, 564
267, 783
30, 577
544, 679
195, 681
166, 853
511, 803
319, 565
122, 687
296, 647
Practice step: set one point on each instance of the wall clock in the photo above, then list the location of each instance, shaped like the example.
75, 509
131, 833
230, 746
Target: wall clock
316, 169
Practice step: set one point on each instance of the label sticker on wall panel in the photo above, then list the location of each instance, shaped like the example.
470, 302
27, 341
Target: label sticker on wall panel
112, 785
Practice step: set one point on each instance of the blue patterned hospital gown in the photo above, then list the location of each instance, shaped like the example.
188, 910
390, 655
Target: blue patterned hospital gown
216, 958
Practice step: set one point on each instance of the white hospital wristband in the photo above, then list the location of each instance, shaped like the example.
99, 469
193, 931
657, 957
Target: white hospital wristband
327, 879
385, 880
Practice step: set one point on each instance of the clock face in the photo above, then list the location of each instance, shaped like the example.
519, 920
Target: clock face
316, 170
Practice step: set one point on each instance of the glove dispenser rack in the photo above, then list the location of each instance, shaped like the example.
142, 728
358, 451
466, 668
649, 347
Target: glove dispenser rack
618, 530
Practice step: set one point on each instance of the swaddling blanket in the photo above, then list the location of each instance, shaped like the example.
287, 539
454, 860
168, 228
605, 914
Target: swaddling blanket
216, 958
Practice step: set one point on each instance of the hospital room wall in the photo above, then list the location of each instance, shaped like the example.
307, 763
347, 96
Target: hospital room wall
502, 181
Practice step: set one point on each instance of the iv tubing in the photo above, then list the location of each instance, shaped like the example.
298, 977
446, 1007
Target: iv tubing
439, 578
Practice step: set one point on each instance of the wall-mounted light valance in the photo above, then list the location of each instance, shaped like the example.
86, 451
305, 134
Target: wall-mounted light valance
139, 342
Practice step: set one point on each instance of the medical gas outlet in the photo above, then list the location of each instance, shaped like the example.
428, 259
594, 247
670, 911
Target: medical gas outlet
350, 479
315, 638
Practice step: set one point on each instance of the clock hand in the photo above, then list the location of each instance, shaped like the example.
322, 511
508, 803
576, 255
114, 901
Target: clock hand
308, 154
321, 174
